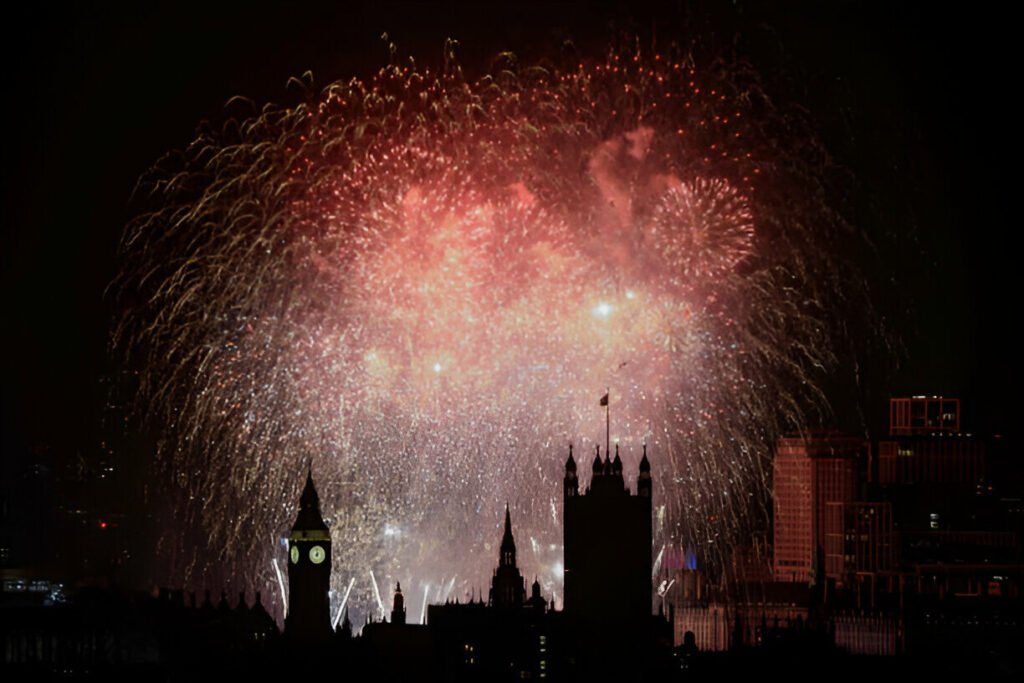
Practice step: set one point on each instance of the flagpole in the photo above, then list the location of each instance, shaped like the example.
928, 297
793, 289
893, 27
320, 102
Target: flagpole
608, 424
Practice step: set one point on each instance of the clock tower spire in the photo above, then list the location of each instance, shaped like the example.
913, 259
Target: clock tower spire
309, 570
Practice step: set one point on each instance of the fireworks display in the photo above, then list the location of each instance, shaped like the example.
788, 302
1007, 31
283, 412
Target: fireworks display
422, 283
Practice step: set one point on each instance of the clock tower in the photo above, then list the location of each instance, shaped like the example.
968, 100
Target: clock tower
309, 571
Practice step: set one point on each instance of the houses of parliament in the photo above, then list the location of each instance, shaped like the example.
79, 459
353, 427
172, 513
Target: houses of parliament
606, 623
605, 627
910, 559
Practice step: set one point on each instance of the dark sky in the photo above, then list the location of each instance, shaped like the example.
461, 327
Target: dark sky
914, 99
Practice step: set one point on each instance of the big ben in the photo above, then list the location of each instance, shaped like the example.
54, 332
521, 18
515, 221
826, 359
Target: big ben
309, 571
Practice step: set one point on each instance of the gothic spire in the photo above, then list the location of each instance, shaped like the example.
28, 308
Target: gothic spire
508, 544
309, 518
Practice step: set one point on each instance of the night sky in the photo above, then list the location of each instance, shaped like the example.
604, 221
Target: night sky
913, 100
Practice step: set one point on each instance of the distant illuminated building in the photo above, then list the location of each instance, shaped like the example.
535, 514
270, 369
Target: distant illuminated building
923, 415
810, 471
925, 445
952, 534
859, 540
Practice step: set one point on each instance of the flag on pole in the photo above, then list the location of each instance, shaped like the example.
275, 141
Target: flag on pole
607, 423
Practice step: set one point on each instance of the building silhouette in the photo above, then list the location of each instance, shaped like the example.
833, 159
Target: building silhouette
508, 589
607, 540
509, 637
309, 571
398, 606
924, 566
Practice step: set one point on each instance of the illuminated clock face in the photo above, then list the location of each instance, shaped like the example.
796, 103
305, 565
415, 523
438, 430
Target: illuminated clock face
317, 554
295, 554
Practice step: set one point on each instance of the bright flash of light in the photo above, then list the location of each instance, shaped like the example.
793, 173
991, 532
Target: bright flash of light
344, 603
280, 585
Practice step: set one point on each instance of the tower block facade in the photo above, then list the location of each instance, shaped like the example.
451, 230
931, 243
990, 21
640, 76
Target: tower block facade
607, 544
309, 571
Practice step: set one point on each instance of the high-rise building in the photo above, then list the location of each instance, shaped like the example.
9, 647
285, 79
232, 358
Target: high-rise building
923, 415
925, 445
608, 544
810, 471
859, 540
309, 571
